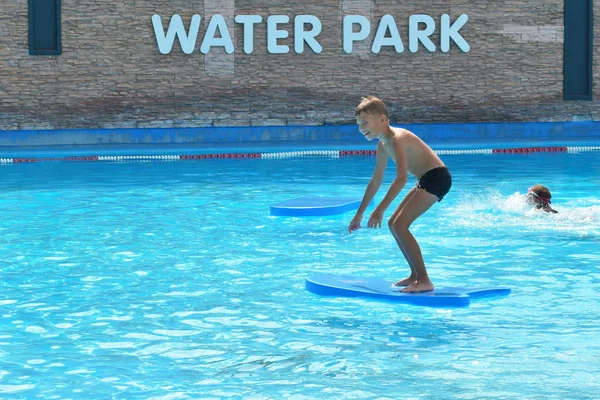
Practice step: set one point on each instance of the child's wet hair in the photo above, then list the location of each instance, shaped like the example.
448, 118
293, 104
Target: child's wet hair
372, 105
542, 192
543, 195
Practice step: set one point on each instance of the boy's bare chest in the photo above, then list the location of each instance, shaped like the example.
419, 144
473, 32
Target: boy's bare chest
409, 156
390, 152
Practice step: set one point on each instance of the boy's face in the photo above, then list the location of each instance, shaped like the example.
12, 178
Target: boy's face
370, 125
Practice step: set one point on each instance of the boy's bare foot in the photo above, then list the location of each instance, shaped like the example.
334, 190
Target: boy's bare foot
419, 286
406, 281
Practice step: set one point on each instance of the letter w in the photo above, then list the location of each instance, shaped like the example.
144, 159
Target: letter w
176, 28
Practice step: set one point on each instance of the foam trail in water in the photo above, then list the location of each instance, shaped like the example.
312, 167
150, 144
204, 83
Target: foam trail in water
489, 209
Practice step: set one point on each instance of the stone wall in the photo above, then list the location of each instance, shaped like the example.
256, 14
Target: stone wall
112, 75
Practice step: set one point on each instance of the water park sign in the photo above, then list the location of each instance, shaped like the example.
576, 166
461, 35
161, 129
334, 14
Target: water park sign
307, 28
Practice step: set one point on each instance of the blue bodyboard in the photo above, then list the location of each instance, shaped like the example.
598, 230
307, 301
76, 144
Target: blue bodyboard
316, 206
379, 289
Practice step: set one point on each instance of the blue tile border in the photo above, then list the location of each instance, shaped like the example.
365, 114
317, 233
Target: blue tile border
476, 134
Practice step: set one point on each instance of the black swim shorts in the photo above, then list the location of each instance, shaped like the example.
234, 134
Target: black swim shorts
436, 181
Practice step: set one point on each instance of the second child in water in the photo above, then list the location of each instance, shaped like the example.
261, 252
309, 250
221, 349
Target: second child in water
540, 197
413, 156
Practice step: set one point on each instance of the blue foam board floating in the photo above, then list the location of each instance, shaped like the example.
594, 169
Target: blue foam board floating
311, 206
379, 289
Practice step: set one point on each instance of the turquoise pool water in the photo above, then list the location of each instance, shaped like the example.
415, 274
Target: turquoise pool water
170, 280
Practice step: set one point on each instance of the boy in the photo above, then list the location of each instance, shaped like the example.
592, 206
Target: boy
413, 156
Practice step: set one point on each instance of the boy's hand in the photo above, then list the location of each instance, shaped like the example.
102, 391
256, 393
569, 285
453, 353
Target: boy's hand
355, 223
375, 219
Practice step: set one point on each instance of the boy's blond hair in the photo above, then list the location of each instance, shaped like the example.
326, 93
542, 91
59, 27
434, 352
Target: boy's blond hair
372, 105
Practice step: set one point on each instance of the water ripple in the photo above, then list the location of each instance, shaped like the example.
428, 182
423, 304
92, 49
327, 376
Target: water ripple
172, 281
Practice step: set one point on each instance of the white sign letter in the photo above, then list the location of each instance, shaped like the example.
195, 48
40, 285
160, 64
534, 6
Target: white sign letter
451, 31
415, 35
349, 35
176, 28
217, 22
387, 22
273, 34
248, 21
301, 36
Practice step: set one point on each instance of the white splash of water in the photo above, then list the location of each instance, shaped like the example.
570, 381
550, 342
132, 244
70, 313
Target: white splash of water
490, 209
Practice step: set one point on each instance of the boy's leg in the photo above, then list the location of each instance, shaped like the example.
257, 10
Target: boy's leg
413, 273
419, 202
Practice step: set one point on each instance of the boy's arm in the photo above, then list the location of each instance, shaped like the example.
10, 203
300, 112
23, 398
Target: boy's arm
376, 179
401, 174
